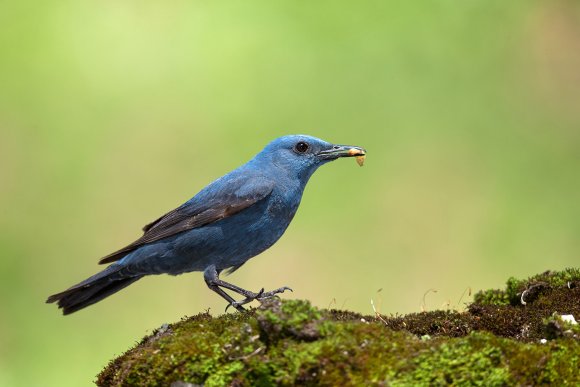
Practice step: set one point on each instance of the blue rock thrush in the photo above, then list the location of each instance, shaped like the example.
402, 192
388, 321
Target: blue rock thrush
230, 221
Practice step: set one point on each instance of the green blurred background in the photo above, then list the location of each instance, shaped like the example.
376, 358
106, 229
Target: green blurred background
112, 113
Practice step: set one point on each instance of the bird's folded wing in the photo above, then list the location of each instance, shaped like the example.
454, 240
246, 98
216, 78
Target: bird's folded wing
208, 206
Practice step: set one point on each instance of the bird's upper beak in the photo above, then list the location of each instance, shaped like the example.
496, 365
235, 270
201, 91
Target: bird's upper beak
341, 151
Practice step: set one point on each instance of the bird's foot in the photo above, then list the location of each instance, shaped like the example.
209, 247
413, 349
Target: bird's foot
261, 295
250, 296
272, 293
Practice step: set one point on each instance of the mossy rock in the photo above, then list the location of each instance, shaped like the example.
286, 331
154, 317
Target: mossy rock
523, 291
492, 343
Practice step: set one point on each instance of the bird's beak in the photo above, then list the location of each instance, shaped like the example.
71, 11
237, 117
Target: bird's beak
342, 151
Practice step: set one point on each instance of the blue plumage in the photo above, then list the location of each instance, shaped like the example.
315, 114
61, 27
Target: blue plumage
236, 217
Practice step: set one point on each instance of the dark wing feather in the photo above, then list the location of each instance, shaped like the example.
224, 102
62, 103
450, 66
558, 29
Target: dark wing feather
232, 198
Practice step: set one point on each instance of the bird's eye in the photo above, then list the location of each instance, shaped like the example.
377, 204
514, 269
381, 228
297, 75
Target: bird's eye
301, 147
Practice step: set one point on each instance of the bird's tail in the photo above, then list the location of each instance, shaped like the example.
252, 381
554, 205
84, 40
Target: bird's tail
92, 290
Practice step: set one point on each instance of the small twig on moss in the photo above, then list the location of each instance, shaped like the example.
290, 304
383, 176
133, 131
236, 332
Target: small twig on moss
257, 351
468, 291
333, 302
377, 312
424, 305
529, 289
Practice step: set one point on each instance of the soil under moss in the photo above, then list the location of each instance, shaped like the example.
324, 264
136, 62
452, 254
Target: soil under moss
505, 337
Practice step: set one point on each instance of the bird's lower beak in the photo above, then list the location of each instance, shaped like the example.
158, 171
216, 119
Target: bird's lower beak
342, 151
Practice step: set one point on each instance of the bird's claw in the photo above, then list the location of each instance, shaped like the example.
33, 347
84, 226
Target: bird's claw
250, 296
260, 296
234, 304
273, 293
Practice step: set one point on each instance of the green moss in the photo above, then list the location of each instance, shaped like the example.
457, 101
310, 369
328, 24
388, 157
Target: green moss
296, 318
291, 342
478, 359
532, 287
492, 297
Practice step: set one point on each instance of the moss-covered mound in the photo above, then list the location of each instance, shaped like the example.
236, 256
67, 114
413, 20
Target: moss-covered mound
498, 341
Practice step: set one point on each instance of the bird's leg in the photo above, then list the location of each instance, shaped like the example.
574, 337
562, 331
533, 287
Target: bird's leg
210, 276
227, 297
212, 280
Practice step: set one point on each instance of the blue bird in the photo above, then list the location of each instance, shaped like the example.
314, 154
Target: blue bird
233, 219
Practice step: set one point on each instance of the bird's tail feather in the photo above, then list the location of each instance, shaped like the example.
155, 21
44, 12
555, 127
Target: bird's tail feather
92, 290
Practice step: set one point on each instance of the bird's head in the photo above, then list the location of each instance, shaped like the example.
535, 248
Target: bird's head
300, 155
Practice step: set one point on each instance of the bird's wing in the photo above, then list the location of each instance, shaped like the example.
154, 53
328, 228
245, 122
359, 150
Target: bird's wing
208, 206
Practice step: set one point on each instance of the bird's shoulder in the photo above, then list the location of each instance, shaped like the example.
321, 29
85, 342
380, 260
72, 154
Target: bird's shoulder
224, 196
